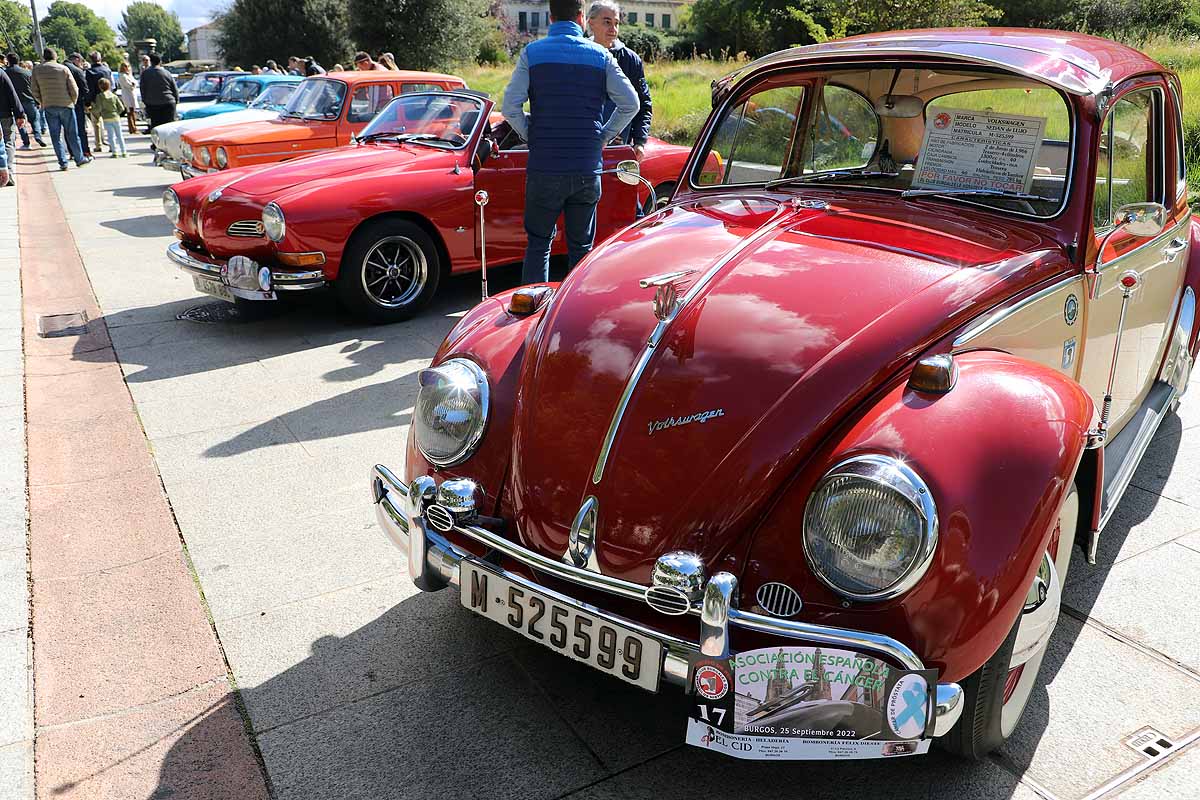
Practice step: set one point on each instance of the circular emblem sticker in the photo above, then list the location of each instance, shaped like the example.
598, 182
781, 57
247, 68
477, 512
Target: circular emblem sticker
941, 121
711, 683
907, 706
1071, 309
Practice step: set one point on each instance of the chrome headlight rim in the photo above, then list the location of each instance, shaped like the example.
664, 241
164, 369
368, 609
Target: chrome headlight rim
186, 149
222, 158
205, 156
274, 222
171, 206
471, 443
890, 473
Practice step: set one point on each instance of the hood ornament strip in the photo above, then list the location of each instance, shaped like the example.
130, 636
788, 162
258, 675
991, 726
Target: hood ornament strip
664, 322
666, 295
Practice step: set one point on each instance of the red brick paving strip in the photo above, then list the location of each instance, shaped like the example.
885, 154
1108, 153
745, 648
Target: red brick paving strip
132, 698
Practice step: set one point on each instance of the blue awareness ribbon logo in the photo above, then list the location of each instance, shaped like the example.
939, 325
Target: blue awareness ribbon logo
914, 708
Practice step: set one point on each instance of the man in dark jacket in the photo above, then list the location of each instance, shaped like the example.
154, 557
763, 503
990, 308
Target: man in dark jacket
566, 80
75, 64
159, 92
21, 80
97, 71
604, 21
11, 111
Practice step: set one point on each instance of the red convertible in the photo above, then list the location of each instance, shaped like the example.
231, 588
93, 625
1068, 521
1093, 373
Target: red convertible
385, 220
819, 440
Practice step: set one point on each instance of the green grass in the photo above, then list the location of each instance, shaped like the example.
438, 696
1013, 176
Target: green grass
682, 101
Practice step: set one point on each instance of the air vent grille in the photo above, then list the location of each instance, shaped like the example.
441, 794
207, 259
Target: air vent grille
779, 599
249, 228
667, 600
440, 518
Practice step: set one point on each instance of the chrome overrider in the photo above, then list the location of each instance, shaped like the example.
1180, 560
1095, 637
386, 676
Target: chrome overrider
433, 564
280, 281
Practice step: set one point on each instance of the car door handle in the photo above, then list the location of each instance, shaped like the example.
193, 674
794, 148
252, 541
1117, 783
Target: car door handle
1174, 248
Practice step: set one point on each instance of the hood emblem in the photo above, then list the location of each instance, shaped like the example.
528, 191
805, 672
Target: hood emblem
666, 294
672, 422
581, 546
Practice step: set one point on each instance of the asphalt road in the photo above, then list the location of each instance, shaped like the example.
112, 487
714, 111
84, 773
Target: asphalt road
357, 686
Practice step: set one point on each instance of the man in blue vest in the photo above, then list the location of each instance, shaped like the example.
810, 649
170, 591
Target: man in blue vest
566, 80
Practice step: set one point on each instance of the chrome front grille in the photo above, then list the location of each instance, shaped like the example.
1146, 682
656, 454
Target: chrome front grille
439, 518
778, 599
667, 600
249, 228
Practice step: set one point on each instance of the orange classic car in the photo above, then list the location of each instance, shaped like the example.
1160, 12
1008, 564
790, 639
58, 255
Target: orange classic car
325, 112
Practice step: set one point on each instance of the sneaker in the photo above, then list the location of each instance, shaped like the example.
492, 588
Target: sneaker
114, 155
86, 160
124, 155
62, 167
25, 147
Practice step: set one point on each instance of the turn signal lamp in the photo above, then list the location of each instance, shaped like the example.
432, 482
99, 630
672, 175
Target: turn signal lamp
314, 259
524, 302
934, 374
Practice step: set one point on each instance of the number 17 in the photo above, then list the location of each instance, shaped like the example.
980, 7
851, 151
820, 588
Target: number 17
719, 713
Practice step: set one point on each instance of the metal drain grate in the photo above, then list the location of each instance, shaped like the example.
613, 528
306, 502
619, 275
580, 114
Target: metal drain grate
1150, 743
53, 325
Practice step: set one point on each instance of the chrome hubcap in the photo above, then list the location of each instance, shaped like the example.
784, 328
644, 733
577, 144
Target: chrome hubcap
394, 271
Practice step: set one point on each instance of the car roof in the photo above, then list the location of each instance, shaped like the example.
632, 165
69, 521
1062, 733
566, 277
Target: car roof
269, 78
412, 76
1074, 62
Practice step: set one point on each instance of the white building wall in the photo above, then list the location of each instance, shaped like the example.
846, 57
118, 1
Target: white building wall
202, 44
644, 13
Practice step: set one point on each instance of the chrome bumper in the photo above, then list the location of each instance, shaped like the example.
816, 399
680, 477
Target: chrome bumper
433, 563
280, 281
188, 171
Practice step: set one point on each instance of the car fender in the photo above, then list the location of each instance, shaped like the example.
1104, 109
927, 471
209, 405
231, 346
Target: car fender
1191, 278
998, 452
496, 340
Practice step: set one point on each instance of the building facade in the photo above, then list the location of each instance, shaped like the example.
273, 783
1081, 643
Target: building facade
202, 43
532, 19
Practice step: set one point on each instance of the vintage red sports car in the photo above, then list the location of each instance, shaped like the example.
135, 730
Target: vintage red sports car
386, 219
819, 439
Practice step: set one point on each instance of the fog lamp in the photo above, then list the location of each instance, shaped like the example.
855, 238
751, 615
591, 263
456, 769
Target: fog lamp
244, 273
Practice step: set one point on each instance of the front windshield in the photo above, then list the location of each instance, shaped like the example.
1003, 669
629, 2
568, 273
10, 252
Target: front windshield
317, 98
975, 135
275, 96
439, 120
240, 91
202, 84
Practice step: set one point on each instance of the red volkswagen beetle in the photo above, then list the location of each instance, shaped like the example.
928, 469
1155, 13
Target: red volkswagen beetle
819, 440
387, 218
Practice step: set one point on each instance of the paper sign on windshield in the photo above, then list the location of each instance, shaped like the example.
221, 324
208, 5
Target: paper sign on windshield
978, 150
809, 703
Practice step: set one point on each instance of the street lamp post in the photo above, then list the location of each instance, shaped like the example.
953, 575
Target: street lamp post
37, 29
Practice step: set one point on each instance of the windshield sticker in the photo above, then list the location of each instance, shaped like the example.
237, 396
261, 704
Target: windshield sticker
978, 150
795, 703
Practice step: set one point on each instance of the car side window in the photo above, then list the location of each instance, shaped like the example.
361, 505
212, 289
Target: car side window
407, 88
756, 136
844, 131
1129, 163
367, 100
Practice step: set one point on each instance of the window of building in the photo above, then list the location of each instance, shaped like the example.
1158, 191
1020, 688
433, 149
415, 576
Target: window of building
522, 21
631, 18
666, 20
649, 20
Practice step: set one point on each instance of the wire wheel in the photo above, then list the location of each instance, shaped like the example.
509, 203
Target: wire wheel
394, 272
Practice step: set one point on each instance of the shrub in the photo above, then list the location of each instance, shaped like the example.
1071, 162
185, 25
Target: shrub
645, 43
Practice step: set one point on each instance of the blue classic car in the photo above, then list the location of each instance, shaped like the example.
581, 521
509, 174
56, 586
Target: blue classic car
204, 87
237, 94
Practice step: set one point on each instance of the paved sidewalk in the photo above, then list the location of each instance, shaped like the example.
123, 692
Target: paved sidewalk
357, 686
16, 676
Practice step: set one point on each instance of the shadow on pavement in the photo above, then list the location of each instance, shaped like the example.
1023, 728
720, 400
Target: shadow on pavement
140, 192
149, 226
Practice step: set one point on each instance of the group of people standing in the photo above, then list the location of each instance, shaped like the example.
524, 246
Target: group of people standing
583, 94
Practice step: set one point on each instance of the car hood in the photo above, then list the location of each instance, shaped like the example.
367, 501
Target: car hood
271, 181
806, 312
209, 109
266, 132
171, 133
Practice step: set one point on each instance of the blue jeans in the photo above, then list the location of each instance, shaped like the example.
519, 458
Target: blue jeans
61, 119
112, 129
33, 115
547, 196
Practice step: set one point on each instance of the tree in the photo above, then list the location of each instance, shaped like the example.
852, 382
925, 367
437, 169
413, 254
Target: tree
254, 30
145, 20
424, 34
16, 28
75, 28
866, 16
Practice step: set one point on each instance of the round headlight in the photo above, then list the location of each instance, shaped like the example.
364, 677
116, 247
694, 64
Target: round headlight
222, 158
451, 411
171, 206
870, 528
186, 149
274, 224
205, 156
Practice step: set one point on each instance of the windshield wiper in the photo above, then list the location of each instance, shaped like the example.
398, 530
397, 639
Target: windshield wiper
1000, 193
833, 175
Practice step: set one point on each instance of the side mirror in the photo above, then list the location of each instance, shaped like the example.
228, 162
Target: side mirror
629, 172
1144, 220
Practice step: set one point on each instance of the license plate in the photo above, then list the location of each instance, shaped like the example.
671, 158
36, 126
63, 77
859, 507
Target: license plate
564, 627
214, 288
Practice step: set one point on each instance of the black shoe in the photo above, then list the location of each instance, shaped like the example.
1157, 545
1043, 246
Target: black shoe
40, 142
